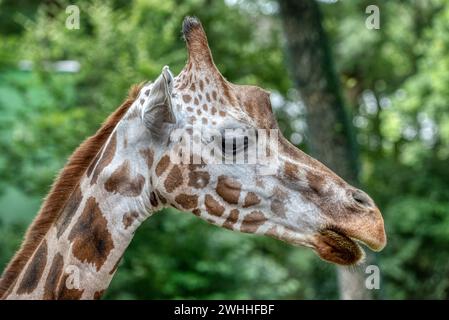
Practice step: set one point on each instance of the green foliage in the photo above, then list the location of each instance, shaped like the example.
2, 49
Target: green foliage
396, 80
9, 241
37, 127
195, 260
415, 263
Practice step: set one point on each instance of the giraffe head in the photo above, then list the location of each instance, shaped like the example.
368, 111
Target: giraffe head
206, 133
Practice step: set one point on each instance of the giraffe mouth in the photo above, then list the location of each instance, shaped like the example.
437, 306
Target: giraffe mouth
334, 246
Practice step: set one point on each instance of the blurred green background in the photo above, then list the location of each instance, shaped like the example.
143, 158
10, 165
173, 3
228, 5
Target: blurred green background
395, 82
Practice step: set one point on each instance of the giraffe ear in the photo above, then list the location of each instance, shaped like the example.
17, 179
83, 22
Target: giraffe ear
158, 108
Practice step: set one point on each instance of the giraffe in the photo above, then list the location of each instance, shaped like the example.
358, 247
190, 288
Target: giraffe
126, 172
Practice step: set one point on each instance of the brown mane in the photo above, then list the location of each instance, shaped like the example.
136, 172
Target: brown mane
61, 190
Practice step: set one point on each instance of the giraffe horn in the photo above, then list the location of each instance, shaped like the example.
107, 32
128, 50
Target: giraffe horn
195, 37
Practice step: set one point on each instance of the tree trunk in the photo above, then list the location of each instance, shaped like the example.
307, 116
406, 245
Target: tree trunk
330, 135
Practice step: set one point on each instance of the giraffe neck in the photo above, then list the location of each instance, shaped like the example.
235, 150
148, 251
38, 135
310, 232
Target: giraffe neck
80, 253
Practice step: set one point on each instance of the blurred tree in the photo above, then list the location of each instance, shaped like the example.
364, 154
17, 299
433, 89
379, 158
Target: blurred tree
395, 79
330, 135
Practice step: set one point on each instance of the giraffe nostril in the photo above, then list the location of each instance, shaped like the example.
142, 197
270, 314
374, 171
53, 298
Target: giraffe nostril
362, 198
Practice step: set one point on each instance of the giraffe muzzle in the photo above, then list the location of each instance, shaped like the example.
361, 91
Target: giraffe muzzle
341, 245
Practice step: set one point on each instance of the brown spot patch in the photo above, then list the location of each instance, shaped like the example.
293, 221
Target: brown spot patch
197, 212
278, 202
191, 119
54, 274
148, 155
213, 110
69, 211
174, 179
229, 189
162, 165
196, 101
222, 113
98, 294
121, 182
231, 219
227, 92
278, 207
189, 109
33, 272
316, 181
105, 159
251, 199
186, 98
198, 112
256, 103
187, 201
129, 218
183, 85
198, 179
64, 293
213, 206
92, 241
252, 222
208, 97
201, 85
214, 95
291, 170
205, 107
